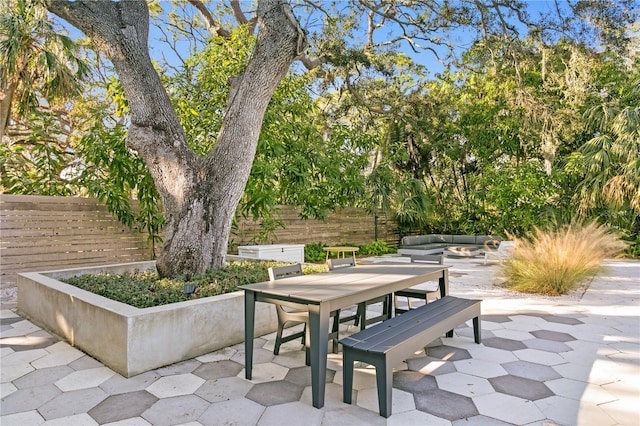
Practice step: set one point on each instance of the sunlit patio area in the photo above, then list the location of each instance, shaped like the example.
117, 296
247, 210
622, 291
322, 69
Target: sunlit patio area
568, 360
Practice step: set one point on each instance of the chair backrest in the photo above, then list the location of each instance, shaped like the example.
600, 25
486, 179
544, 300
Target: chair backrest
278, 272
506, 246
340, 263
428, 258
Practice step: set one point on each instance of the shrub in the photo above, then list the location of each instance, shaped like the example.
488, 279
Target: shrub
314, 252
376, 248
147, 289
555, 262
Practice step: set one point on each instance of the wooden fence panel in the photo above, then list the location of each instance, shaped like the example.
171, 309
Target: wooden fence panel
345, 226
39, 233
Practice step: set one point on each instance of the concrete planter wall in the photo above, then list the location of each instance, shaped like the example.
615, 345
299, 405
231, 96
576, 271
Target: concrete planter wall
131, 340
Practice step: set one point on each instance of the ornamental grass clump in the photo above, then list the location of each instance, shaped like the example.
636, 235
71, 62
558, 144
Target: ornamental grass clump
554, 262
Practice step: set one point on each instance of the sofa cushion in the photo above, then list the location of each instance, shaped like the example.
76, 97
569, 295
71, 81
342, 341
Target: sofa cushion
417, 240
464, 239
440, 238
429, 246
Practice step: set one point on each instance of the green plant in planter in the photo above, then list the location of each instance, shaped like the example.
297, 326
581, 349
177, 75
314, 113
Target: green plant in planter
147, 289
314, 252
376, 248
554, 262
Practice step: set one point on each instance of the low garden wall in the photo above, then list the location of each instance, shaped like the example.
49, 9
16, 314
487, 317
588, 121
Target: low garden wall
131, 340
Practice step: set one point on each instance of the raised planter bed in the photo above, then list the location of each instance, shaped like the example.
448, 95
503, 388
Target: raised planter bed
131, 340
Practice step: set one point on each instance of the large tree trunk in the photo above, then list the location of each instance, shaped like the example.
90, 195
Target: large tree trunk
200, 195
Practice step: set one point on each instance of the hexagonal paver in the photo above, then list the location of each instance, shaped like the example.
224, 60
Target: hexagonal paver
282, 414
118, 384
218, 369
291, 359
508, 408
448, 353
480, 368
521, 387
27, 343
513, 334
59, 354
540, 357
492, 354
181, 384
28, 399
480, 420
496, 318
233, 412
265, 372
302, 376
123, 406
72, 403
260, 355
548, 345
502, 343
447, 405
85, 363
176, 410
412, 381
553, 335
562, 319
530, 370
400, 400
45, 376
432, 366
220, 355
464, 384
84, 379
183, 367
224, 389
568, 388
273, 393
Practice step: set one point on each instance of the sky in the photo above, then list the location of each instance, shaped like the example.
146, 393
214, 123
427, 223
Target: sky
460, 38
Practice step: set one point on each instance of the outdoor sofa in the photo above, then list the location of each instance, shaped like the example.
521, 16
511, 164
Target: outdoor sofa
452, 245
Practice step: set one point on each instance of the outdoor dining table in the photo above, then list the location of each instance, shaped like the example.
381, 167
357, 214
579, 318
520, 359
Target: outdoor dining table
324, 293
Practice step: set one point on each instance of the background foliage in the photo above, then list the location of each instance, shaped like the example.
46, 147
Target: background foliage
516, 132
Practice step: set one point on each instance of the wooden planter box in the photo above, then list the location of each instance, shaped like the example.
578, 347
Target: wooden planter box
131, 340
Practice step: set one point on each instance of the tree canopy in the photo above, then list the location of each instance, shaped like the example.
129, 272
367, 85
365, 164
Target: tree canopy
510, 132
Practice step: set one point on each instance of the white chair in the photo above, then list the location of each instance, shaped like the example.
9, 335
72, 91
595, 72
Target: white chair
286, 315
294, 316
504, 251
417, 292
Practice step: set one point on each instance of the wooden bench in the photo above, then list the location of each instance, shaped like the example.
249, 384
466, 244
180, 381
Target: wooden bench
387, 344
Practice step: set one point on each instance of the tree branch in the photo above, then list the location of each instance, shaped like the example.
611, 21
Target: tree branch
214, 27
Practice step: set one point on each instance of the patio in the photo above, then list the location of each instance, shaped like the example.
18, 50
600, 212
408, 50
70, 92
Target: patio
568, 360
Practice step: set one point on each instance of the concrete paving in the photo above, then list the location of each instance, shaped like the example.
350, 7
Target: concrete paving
569, 360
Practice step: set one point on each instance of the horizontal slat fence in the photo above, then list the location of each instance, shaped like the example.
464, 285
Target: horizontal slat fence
345, 226
39, 233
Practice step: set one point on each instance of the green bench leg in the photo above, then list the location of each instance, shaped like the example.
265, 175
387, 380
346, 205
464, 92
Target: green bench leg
384, 380
477, 332
347, 375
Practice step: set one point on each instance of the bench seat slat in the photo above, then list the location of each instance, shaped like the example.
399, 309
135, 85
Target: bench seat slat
425, 331
401, 319
379, 339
